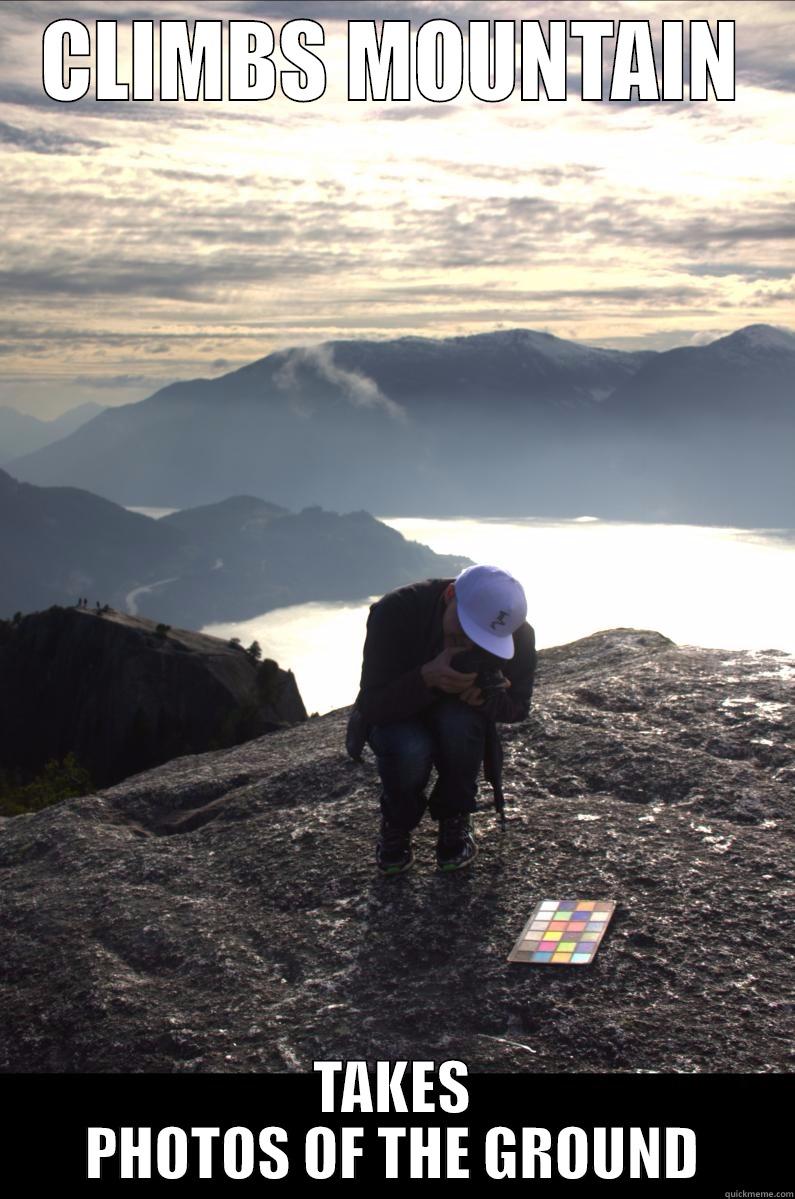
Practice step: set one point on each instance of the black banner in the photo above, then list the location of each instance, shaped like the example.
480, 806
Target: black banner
574, 1134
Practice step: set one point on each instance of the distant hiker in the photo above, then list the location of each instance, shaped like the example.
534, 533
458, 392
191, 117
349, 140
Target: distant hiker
423, 703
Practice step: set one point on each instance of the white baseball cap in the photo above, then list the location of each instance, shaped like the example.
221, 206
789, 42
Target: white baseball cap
491, 607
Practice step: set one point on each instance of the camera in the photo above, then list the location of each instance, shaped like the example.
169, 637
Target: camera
489, 676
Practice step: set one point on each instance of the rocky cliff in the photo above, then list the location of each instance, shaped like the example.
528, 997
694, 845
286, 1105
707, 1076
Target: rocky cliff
222, 912
124, 694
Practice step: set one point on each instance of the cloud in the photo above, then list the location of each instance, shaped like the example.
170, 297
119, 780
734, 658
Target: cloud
169, 112
742, 270
8, 347
104, 381
419, 112
359, 389
627, 295
761, 231
776, 76
193, 278
323, 223
762, 299
187, 176
43, 141
265, 10
639, 222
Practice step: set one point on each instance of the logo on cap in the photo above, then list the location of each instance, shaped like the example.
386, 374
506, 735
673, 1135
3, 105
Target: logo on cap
491, 608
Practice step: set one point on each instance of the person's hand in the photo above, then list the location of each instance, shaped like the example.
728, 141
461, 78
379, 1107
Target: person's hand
475, 697
440, 674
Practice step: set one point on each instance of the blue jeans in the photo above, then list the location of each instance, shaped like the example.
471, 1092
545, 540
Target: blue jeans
449, 735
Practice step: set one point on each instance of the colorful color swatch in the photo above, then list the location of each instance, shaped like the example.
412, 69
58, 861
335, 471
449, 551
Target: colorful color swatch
563, 932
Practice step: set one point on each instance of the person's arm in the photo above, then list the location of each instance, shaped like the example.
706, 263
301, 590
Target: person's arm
388, 690
513, 703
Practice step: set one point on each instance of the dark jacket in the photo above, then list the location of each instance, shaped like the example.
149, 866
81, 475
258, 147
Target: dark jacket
404, 631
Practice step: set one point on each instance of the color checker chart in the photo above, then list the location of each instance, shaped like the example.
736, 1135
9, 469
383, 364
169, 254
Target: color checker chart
563, 932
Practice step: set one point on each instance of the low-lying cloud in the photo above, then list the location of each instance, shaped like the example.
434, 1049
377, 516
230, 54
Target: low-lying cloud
359, 389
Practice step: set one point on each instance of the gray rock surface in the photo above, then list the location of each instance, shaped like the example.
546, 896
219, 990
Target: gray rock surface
222, 913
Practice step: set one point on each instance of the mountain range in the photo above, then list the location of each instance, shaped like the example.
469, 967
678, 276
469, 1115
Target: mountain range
515, 422
22, 433
226, 561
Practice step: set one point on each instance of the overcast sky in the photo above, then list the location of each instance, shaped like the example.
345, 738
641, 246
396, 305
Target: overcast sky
148, 242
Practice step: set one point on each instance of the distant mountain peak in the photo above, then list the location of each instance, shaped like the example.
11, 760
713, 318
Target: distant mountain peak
232, 504
758, 337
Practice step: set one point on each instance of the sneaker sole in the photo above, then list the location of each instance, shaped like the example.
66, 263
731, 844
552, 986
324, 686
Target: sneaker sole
447, 867
392, 871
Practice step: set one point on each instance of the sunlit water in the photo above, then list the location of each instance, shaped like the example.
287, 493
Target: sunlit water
724, 588
155, 513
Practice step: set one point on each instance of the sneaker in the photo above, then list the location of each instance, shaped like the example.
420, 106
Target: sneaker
456, 845
393, 852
